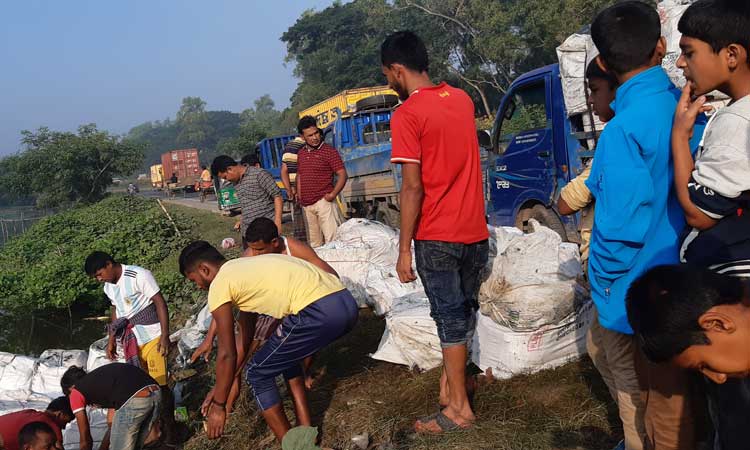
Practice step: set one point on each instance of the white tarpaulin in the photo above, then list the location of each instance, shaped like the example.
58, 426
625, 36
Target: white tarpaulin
532, 279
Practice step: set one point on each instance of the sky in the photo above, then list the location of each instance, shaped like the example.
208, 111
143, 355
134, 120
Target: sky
119, 63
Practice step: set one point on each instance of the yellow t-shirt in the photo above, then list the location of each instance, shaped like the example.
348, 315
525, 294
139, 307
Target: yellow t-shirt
579, 198
275, 285
206, 175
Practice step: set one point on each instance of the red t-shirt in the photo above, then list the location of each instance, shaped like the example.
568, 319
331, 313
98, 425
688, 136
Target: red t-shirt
315, 169
11, 424
435, 128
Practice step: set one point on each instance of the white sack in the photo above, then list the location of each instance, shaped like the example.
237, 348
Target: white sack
98, 424
50, 368
507, 352
16, 372
410, 336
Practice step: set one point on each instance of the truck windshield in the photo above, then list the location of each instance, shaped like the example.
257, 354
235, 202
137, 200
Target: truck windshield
526, 110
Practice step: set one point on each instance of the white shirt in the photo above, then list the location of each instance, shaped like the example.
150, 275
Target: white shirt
132, 294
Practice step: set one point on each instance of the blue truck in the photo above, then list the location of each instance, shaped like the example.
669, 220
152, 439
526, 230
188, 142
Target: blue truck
533, 150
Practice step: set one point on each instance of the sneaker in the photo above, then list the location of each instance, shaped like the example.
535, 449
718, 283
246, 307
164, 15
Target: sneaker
620, 446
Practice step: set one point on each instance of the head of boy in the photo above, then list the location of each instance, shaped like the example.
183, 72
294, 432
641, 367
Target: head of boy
70, 378
403, 57
715, 41
200, 262
694, 318
60, 411
628, 37
250, 160
602, 88
262, 237
307, 127
103, 267
37, 436
225, 167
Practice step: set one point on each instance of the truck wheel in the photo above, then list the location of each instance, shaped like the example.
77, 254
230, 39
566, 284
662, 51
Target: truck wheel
544, 216
388, 216
377, 102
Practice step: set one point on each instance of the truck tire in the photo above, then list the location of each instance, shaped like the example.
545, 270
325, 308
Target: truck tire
544, 216
389, 216
377, 102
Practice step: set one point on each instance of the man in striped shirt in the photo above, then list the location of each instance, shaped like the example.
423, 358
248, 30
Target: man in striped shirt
317, 163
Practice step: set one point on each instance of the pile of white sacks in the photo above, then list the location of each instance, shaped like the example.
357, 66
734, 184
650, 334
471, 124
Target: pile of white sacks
533, 314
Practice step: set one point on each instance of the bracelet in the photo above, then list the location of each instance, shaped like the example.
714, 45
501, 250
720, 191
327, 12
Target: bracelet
220, 405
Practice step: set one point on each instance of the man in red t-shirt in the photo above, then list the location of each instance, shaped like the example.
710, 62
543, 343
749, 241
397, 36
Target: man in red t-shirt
442, 210
57, 416
317, 163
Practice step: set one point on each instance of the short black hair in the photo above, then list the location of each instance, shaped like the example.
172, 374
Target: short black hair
407, 49
70, 378
306, 122
718, 23
197, 252
221, 163
261, 229
626, 35
594, 71
28, 433
665, 304
61, 404
250, 159
97, 260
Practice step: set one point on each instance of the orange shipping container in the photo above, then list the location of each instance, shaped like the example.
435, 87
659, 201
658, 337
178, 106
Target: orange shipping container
184, 163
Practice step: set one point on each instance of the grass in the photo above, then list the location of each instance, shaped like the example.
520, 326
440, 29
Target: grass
565, 408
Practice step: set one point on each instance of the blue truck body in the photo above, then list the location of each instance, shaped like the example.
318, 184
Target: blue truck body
533, 150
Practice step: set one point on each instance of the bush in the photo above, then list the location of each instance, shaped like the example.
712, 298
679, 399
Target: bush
43, 268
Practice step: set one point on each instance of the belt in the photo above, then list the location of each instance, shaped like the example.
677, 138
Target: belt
147, 391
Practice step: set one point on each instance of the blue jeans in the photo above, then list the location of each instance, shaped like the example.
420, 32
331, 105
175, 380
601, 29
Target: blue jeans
300, 335
451, 274
133, 421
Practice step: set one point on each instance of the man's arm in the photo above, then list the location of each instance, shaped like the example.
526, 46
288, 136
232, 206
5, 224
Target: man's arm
287, 181
104, 445
206, 346
303, 251
163, 314
341, 177
410, 201
86, 442
278, 210
575, 195
226, 362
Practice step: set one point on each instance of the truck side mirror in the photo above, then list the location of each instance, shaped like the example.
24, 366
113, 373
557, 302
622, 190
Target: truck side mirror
485, 139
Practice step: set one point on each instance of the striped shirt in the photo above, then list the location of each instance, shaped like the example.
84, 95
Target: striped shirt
316, 167
289, 157
132, 294
256, 192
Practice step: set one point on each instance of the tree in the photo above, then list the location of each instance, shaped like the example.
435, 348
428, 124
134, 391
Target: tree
193, 123
60, 168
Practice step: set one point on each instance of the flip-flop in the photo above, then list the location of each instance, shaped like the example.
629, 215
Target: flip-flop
443, 422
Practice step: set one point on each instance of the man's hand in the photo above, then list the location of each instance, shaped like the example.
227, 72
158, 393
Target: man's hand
290, 196
216, 419
203, 350
111, 349
163, 345
207, 403
687, 113
237, 226
330, 197
403, 267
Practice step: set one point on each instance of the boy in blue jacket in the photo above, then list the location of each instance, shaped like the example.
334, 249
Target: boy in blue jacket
637, 223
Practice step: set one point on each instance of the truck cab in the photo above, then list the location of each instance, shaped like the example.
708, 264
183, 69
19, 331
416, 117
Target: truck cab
534, 150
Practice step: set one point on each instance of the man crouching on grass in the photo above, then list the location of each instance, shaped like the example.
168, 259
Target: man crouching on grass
314, 307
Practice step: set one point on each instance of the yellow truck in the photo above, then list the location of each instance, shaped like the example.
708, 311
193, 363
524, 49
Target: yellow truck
345, 102
157, 176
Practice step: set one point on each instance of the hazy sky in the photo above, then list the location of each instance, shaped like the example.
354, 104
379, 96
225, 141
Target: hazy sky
119, 63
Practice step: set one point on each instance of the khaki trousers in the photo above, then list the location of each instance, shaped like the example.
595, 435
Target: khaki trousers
613, 355
322, 219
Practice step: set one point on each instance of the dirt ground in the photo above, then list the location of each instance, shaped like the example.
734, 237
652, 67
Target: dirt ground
566, 408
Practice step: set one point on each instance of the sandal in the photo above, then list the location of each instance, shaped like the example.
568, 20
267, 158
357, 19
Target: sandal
444, 423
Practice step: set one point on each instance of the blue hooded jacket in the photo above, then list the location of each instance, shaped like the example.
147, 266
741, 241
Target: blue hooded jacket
638, 219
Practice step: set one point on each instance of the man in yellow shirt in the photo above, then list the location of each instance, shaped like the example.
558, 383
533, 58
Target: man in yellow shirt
315, 309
